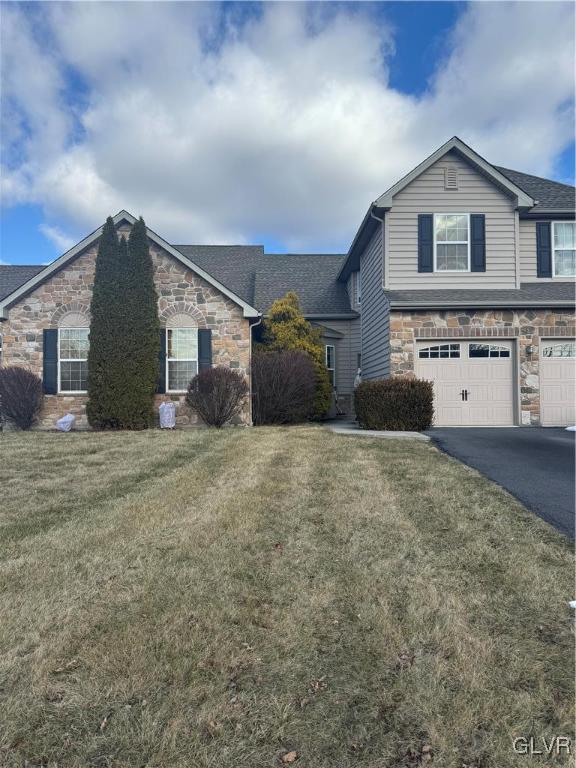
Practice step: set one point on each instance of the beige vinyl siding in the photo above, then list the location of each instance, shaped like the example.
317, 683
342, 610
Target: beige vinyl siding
347, 350
475, 194
528, 263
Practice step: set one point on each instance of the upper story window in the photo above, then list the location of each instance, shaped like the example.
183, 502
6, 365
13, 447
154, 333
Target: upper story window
73, 359
331, 363
451, 242
181, 358
563, 248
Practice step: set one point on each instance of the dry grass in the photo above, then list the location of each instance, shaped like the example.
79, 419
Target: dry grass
216, 599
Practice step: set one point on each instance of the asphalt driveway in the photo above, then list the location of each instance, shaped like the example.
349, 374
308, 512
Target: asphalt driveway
534, 464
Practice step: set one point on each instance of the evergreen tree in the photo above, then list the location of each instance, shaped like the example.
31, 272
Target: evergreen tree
124, 333
104, 364
287, 328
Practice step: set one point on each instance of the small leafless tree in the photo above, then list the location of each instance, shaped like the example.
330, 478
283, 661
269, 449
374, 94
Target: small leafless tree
20, 396
217, 394
284, 385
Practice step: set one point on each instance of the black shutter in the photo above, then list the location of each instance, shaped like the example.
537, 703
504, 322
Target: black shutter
543, 249
50, 373
425, 242
477, 242
204, 348
161, 386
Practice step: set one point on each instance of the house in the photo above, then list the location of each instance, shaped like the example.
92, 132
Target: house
462, 273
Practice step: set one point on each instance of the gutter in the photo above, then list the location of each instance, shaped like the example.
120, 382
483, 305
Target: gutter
481, 304
250, 394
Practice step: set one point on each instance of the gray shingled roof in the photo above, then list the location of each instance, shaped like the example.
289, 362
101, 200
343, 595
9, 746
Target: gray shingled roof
551, 195
528, 295
254, 276
260, 278
13, 276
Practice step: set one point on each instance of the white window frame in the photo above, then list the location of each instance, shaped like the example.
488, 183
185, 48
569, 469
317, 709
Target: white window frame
178, 360
358, 288
70, 360
558, 249
451, 242
333, 368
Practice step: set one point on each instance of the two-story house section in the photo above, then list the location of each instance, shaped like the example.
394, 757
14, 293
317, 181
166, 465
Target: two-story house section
468, 280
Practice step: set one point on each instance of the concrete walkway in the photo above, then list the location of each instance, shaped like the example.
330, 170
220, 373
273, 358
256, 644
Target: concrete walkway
352, 428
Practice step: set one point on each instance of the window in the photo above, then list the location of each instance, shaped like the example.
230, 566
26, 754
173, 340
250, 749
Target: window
563, 248
451, 242
73, 359
440, 350
181, 358
358, 288
564, 349
488, 350
331, 363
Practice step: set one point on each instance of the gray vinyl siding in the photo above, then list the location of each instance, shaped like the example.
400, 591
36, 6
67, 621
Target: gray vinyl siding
347, 349
528, 263
375, 312
475, 194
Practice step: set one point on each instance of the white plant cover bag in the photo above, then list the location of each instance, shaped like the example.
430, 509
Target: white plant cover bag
66, 423
167, 412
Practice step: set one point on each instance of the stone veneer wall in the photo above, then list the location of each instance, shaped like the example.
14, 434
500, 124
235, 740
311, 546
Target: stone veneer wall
68, 292
526, 325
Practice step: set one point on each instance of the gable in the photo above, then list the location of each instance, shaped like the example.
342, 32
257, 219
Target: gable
122, 219
456, 147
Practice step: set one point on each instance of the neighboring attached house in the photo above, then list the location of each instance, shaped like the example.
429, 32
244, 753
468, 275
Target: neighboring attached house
462, 273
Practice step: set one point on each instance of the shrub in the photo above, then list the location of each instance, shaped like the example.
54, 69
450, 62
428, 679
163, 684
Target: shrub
20, 396
284, 385
287, 328
394, 404
124, 333
217, 394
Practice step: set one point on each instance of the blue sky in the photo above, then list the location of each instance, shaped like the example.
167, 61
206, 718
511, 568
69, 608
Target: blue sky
274, 123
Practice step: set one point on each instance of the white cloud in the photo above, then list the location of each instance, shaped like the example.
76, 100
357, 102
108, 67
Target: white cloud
61, 240
285, 125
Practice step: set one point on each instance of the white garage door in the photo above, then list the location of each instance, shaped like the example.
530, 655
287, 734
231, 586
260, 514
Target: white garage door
472, 381
557, 390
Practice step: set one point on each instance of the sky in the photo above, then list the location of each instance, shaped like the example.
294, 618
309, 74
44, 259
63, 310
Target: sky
274, 123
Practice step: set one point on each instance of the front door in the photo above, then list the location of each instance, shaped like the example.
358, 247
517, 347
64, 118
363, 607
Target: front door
473, 381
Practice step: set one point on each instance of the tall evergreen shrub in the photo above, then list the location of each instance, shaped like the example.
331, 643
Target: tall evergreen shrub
124, 333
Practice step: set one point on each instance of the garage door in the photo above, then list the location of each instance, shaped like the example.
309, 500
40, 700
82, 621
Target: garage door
472, 382
557, 390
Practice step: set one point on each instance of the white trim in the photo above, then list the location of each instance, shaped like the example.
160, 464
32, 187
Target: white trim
60, 360
248, 310
169, 359
333, 368
522, 199
452, 242
567, 277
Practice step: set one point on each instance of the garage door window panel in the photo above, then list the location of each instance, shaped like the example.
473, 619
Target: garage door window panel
487, 350
563, 350
440, 351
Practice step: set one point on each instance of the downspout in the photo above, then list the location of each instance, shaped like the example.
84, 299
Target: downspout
252, 325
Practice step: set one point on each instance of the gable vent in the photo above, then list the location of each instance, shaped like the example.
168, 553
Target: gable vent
450, 177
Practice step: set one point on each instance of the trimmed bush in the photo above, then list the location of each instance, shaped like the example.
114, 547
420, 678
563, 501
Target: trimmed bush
284, 386
286, 328
395, 404
124, 333
20, 396
217, 394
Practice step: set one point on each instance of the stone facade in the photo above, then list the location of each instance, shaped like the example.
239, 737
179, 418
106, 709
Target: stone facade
528, 326
64, 300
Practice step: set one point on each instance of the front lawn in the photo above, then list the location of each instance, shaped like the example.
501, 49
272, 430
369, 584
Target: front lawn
209, 599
